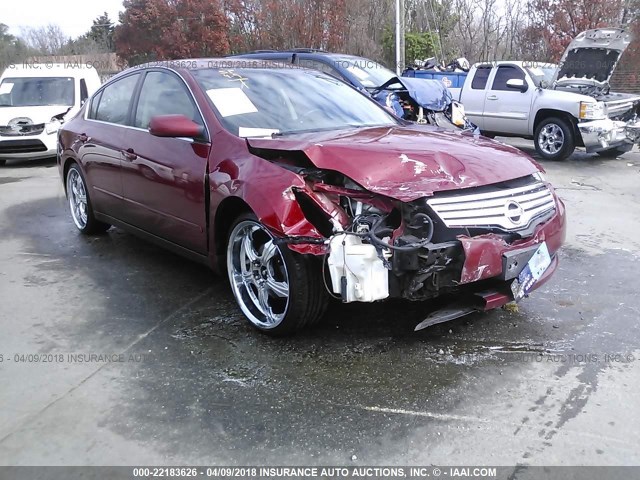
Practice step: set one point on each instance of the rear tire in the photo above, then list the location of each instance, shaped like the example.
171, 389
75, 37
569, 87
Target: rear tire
80, 203
613, 152
278, 291
554, 139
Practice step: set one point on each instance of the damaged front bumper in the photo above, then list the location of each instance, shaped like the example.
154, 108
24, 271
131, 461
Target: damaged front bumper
481, 267
598, 135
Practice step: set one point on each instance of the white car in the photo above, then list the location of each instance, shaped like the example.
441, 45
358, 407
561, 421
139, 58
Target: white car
35, 100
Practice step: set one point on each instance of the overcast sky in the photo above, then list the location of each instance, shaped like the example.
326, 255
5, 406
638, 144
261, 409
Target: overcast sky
73, 16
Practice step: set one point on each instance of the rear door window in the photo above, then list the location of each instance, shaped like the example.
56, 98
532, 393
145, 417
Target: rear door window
115, 100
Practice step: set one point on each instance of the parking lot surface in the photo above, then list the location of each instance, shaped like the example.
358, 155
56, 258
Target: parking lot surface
115, 352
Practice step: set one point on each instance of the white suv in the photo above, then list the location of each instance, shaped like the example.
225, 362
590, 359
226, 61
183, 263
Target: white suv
35, 99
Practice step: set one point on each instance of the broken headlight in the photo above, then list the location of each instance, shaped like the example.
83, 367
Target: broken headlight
53, 126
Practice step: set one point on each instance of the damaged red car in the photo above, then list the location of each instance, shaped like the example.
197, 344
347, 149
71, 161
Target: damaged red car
298, 186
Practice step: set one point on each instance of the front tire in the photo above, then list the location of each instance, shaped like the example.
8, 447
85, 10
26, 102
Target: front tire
278, 291
554, 139
80, 203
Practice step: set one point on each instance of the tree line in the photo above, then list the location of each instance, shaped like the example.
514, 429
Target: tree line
480, 30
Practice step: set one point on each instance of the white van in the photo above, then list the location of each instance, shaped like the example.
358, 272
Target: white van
35, 99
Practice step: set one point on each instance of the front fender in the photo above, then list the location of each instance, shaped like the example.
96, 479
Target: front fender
268, 192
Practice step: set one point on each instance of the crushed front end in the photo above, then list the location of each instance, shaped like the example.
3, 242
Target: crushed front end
620, 129
494, 243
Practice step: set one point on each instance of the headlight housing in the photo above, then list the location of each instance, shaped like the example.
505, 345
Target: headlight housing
592, 111
539, 176
53, 126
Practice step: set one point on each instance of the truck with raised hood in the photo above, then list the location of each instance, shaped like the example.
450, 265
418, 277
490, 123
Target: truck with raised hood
558, 106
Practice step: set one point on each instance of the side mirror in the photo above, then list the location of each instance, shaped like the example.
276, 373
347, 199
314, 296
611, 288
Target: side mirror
517, 84
174, 126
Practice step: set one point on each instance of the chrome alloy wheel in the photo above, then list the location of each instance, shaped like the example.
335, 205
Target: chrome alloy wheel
77, 194
551, 139
258, 274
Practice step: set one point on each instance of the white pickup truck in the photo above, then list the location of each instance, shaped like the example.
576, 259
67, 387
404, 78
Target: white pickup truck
558, 106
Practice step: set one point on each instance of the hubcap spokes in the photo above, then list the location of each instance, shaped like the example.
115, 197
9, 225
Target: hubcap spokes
551, 139
258, 275
77, 199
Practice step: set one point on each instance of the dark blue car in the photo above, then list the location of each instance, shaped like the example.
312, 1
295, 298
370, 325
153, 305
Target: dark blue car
418, 100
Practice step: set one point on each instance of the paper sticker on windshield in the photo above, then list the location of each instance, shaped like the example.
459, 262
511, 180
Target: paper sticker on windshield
6, 88
246, 132
231, 101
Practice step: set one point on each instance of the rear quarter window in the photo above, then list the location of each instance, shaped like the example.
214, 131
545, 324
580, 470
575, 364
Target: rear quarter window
480, 78
93, 108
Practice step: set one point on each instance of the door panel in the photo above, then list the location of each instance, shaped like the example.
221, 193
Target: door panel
163, 178
505, 109
473, 97
100, 143
100, 156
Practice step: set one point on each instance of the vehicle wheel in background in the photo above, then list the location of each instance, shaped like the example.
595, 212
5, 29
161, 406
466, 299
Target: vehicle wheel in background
554, 139
2, 163
279, 291
614, 152
488, 135
80, 203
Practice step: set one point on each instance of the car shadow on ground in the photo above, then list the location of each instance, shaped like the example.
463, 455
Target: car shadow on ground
30, 163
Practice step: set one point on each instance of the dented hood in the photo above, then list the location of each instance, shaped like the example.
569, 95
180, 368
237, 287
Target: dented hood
32, 115
407, 163
591, 57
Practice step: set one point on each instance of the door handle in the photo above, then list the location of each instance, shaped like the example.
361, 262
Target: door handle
129, 154
83, 137
492, 97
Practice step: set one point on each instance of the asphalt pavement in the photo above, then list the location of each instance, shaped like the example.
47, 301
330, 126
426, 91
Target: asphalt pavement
115, 352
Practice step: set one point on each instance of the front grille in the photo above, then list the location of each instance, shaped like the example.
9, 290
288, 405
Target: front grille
21, 130
616, 109
509, 209
22, 146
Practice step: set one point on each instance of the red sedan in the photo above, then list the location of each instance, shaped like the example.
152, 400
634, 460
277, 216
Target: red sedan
300, 187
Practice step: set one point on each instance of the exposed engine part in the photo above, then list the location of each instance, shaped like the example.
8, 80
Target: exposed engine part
357, 273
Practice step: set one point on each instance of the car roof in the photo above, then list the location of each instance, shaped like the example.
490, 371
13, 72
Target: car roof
305, 51
188, 64
519, 63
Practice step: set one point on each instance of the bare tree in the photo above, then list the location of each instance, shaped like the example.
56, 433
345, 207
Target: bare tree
48, 40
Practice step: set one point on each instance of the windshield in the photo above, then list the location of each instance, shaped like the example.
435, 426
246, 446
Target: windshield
371, 74
262, 102
37, 92
542, 73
